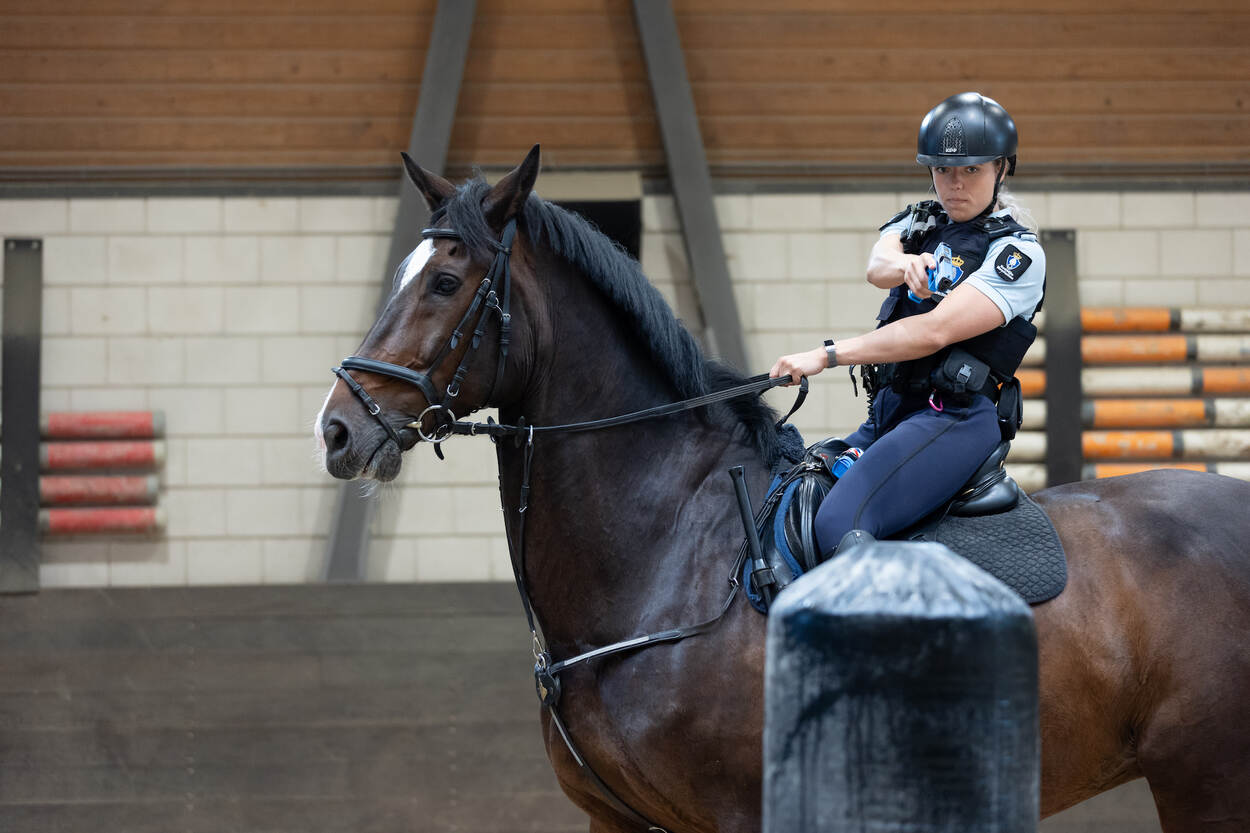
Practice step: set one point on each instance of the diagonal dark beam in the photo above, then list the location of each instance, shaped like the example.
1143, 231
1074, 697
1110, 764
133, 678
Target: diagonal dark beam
688, 172
348, 545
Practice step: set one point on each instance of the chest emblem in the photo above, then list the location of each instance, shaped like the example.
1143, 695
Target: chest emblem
958, 262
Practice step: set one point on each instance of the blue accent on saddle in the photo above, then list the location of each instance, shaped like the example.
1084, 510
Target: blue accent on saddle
779, 536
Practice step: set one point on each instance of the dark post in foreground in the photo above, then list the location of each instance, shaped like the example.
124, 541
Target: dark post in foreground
901, 695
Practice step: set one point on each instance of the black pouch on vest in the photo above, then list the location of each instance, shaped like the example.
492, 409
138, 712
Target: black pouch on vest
1010, 408
960, 374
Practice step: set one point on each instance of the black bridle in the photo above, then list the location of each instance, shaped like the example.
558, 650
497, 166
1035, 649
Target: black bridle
546, 671
486, 299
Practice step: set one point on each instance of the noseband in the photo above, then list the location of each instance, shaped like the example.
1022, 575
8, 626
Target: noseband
487, 299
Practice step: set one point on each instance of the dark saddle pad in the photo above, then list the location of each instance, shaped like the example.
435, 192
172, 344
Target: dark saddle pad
1018, 546
990, 522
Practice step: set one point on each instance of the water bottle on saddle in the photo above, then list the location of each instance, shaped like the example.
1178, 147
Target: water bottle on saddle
834, 456
844, 461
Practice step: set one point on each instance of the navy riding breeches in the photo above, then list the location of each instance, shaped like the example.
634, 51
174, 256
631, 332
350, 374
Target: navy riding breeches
914, 466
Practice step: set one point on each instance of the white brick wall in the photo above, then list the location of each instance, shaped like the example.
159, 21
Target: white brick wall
198, 310
73, 261
359, 258
141, 260
1241, 252
298, 259
222, 260
256, 215
1117, 253
227, 313
56, 311
110, 216
1162, 209
330, 215
260, 310
1084, 209
108, 311
190, 215
1227, 209
34, 217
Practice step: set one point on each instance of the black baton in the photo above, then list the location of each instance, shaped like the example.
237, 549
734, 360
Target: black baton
762, 578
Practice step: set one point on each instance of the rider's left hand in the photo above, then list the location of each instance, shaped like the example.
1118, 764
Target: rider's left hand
797, 365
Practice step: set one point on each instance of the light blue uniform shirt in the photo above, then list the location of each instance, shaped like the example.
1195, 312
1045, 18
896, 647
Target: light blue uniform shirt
1014, 296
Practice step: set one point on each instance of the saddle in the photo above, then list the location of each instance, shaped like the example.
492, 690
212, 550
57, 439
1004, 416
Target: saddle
989, 521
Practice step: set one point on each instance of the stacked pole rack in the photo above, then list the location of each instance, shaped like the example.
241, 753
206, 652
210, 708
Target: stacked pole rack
85, 473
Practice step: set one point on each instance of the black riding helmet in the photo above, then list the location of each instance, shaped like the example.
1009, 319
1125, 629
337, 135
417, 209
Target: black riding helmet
967, 129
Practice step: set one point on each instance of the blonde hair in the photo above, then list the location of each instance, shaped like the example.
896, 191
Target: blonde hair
1018, 212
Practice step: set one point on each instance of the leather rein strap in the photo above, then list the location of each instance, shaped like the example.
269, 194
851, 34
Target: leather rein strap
546, 672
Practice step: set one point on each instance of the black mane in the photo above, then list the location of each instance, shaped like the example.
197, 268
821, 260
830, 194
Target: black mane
620, 278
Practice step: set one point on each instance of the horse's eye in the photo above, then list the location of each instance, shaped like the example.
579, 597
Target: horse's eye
445, 284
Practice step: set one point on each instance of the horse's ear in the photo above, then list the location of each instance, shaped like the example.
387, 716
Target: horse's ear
433, 187
504, 201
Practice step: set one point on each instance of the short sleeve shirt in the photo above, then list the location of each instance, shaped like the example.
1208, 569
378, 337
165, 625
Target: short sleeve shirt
1012, 274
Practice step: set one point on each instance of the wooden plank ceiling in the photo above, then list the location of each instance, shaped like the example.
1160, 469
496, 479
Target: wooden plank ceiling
804, 87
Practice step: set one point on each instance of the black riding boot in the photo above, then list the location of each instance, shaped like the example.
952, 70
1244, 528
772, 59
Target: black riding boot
849, 541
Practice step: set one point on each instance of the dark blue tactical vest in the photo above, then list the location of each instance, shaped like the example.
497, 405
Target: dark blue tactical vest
1002, 348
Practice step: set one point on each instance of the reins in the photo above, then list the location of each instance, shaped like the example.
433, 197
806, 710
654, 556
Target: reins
754, 385
546, 671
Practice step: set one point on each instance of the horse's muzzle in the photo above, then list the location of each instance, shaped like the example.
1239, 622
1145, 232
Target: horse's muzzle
362, 453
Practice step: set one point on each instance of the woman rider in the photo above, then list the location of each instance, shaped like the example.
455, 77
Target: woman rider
937, 366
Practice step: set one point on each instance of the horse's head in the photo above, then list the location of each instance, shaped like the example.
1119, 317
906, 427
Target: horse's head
440, 345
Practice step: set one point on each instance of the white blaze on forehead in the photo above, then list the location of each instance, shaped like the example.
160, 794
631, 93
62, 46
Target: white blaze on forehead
416, 262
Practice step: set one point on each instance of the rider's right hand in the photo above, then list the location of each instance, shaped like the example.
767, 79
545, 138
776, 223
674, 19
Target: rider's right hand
916, 275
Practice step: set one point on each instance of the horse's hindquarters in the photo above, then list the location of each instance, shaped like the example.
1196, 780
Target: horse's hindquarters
1144, 657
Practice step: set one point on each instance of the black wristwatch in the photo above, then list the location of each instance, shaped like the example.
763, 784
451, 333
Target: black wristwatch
831, 352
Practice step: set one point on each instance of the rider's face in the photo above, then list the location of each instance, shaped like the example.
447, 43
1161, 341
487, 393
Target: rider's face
964, 191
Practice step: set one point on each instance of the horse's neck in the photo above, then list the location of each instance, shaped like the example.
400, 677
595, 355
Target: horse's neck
611, 543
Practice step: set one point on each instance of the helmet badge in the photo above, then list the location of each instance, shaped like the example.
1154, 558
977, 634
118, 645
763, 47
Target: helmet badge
953, 137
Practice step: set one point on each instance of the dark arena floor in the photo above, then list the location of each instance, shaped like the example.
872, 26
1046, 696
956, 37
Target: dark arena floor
303, 708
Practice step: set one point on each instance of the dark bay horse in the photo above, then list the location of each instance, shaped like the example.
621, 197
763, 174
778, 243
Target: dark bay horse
1145, 657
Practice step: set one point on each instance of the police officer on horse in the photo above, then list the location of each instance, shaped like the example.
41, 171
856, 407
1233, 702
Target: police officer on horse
965, 276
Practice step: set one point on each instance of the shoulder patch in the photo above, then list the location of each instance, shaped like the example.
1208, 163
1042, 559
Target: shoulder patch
1012, 263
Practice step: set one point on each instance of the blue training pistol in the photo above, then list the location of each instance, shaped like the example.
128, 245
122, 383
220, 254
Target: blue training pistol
943, 278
